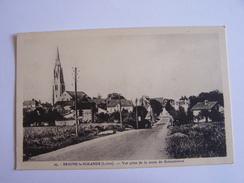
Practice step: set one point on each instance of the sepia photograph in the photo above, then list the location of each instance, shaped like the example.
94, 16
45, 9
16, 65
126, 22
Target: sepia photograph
123, 98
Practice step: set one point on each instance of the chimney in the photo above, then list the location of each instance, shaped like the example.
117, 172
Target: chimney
205, 102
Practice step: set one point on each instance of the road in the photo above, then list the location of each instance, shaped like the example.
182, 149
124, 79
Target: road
129, 145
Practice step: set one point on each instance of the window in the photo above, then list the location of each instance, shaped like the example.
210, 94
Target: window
56, 87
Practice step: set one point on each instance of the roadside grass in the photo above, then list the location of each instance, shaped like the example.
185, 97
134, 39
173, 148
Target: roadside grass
196, 140
39, 140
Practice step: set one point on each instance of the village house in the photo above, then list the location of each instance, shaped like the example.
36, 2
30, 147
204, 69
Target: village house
201, 110
31, 105
101, 105
113, 105
66, 105
46, 106
183, 102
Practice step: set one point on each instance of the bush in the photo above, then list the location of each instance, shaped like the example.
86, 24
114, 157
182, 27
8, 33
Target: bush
102, 117
194, 141
39, 140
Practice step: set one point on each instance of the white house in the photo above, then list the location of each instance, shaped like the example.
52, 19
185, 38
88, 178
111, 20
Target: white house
113, 105
205, 106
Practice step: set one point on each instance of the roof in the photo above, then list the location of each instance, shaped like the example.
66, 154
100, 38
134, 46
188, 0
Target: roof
79, 94
115, 102
30, 102
202, 105
71, 104
99, 101
63, 103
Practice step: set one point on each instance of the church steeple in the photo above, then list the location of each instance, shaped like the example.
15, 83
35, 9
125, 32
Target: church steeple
58, 85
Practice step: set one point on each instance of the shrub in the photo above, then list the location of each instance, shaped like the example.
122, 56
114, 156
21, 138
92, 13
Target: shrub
193, 141
39, 140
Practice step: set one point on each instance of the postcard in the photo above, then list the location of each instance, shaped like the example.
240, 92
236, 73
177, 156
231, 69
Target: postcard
123, 98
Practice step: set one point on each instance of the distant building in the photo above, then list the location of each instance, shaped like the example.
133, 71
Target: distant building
101, 105
47, 106
64, 107
113, 105
31, 105
100, 110
70, 96
183, 102
202, 107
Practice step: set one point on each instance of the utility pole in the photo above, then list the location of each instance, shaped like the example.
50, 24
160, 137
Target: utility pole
120, 115
136, 115
76, 113
142, 104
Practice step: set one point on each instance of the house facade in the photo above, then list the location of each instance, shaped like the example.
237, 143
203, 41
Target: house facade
113, 105
183, 102
202, 110
31, 105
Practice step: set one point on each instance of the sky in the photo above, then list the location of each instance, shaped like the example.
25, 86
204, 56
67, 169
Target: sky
136, 63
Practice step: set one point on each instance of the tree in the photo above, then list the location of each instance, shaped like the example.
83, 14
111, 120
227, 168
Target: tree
157, 108
114, 116
214, 95
102, 117
115, 96
181, 116
170, 109
141, 111
215, 115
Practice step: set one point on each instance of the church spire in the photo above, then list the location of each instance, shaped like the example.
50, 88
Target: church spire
57, 59
58, 85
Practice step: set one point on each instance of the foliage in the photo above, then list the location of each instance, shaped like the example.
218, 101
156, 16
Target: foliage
214, 95
216, 116
194, 141
141, 111
114, 116
157, 108
39, 140
38, 116
115, 96
102, 117
181, 116
170, 109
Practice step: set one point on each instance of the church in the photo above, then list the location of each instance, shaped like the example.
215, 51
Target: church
64, 101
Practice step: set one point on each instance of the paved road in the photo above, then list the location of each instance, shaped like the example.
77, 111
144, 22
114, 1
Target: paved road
130, 145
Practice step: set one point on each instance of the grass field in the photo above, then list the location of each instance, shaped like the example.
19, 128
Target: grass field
39, 140
196, 140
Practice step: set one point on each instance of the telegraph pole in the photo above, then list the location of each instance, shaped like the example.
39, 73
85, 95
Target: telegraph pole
120, 115
142, 104
76, 113
136, 115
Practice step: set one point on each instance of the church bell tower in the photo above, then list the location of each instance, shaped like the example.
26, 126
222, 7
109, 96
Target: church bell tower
58, 85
